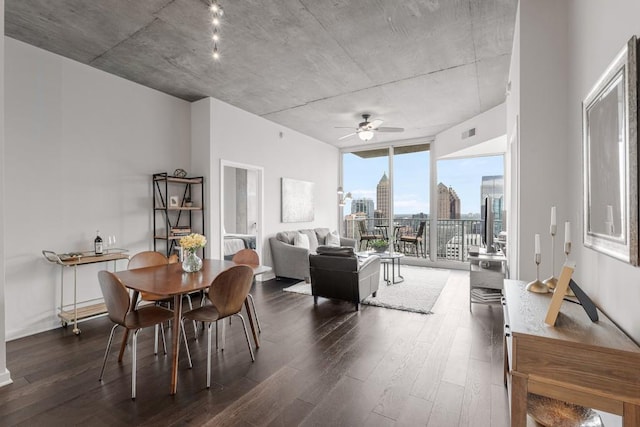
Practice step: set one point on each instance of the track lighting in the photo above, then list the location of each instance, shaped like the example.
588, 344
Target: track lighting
216, 13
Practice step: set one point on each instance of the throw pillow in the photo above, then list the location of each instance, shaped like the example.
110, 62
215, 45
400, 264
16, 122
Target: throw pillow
333, 239
313, 240
301, 241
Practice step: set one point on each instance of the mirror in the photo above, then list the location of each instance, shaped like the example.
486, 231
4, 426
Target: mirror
609, 117
240, 208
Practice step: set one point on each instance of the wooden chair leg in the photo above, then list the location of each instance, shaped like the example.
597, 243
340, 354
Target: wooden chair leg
125, 338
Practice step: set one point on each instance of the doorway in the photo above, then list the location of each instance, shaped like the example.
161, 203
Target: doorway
241, 208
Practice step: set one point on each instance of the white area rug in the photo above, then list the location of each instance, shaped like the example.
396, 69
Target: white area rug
418, 293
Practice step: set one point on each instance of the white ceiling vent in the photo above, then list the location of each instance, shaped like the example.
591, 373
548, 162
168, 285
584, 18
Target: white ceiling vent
468, 133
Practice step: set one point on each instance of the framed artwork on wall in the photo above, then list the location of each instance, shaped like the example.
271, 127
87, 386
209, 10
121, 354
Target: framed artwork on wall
610, 156
297, 200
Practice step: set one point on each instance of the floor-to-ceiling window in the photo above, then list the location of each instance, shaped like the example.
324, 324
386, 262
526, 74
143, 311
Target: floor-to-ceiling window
411, 199
390, 197
389, 189
365, 178
463, 187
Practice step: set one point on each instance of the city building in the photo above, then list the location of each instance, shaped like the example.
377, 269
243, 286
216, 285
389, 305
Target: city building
448, 203
363, 205
382, 197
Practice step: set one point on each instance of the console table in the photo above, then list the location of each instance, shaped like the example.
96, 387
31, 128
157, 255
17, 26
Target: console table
577, 361
72, 312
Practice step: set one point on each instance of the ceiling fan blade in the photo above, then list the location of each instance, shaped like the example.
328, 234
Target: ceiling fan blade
375, 124
390, 129
346, 136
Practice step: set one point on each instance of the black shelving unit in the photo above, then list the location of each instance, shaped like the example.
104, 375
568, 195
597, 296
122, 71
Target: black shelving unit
172, 220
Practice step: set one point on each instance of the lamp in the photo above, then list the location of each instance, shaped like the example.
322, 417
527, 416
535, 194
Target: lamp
365, 135
343, 200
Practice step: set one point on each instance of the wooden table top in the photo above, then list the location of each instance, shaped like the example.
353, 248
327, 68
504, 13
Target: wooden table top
171, 280
527, 311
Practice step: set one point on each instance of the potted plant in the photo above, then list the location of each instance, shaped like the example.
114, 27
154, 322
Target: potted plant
379, 245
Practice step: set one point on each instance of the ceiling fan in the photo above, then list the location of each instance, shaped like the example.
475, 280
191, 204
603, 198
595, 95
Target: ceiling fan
366, 129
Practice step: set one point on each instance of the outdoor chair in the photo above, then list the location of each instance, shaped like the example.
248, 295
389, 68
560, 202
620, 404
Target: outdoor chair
415, 240
365, 235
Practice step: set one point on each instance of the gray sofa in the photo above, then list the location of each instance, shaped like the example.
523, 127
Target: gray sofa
292, 261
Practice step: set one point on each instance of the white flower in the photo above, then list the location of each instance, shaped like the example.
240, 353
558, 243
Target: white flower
193, 241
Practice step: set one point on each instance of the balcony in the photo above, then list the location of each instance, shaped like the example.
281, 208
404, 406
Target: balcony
454, 236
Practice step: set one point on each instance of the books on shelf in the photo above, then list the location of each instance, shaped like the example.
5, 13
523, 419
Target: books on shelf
180, 231
486, 295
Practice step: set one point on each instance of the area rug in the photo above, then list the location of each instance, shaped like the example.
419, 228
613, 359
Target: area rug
418, 293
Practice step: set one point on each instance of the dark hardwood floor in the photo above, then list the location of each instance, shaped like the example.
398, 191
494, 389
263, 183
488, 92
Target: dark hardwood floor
317, 365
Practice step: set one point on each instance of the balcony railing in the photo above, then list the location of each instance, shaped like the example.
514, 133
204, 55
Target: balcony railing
454, 236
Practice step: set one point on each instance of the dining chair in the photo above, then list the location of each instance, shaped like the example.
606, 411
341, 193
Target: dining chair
227, 294
252, 259
122, 312
151, 259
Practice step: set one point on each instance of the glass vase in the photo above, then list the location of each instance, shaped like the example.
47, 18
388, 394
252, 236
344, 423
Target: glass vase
191, 262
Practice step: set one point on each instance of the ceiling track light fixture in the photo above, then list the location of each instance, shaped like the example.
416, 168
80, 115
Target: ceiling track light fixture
217, 12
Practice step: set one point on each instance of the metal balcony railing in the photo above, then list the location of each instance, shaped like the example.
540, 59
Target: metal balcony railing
454, 236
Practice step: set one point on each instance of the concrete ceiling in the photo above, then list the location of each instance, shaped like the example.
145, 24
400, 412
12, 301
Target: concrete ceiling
310, 65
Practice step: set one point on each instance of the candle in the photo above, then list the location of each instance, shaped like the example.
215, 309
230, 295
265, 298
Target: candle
537, 244
553, 228
567, 232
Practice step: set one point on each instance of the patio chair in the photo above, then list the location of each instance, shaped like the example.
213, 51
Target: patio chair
365, 235
415, 240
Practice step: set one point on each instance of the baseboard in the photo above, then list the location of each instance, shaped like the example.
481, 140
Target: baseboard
5, 378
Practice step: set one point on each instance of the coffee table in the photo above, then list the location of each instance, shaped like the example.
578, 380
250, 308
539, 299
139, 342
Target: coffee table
387, 258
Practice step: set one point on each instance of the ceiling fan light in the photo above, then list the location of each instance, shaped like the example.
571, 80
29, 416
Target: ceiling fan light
365, 135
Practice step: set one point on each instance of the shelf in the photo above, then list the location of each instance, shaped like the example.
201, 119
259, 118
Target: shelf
180, 208
178, 180
83, 312
169, 221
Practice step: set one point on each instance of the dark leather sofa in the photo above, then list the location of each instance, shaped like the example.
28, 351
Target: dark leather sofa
336, 272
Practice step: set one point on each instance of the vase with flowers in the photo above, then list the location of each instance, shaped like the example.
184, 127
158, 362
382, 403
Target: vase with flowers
190, 244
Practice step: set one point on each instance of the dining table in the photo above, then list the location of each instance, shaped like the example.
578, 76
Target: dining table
171, 280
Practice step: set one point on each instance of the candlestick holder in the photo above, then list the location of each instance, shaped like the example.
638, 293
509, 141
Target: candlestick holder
552, 282
567, 251
537, 286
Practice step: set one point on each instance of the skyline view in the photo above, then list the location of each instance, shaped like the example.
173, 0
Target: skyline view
411, 179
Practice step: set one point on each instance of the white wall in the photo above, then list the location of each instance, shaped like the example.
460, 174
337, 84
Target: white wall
238, 136
5, 377
596, 32
81, 146
560, 50
489, 125
538, 82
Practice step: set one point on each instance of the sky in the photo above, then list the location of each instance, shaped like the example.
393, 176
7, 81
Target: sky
411, 174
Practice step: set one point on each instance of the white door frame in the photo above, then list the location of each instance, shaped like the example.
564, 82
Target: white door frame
260, 202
